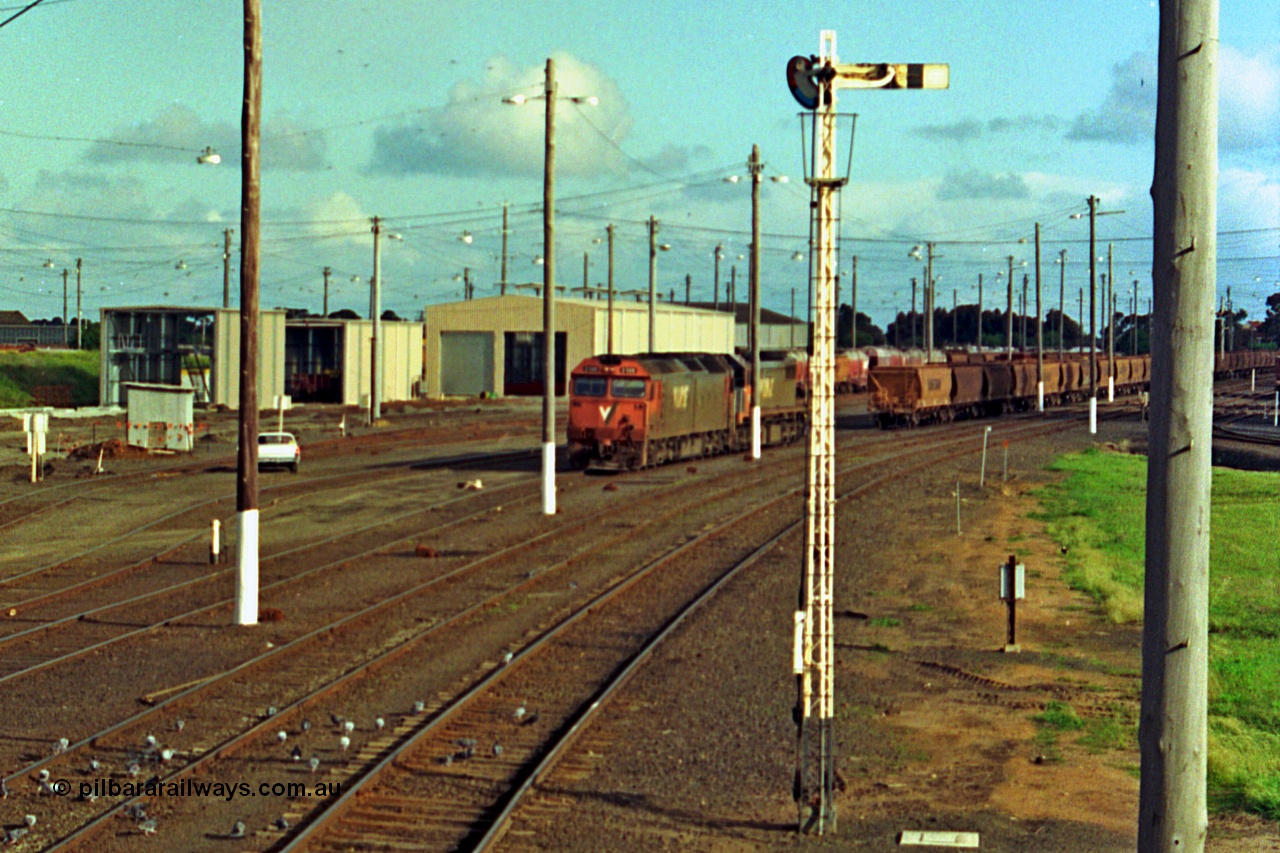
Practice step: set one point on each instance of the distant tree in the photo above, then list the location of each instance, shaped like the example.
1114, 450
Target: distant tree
869, 334
390, 315
344, 314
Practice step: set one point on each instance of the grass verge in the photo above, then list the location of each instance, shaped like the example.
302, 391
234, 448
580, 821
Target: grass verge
1098, 513
22, 371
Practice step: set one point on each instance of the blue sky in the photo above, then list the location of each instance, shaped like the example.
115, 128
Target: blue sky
394, 108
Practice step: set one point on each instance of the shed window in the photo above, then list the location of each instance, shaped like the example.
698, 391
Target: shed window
628, 387
589, 386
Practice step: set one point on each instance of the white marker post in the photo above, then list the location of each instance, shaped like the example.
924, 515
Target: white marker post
982, 479
1275, 412
1111, 389
283, 401
755, 432
247, 559
215, 543
1093, 416
1040, 396
1013, 585
1253, 380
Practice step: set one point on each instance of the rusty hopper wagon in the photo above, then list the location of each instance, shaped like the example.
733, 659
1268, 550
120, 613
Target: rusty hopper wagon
641, 410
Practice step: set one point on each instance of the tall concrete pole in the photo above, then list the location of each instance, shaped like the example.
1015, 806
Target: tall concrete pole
327, 272
505, 231
226, 268
246, 607
1111, 324
66, 312
609, 231
653, 284
586, 275
1133, 327
549, 300
1008, 329
756, 168
1025, 283
932, 289
375, 312
1172, 731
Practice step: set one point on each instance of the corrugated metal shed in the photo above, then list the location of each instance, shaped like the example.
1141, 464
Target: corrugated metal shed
160, 416
494, 344
225, 379
328, 360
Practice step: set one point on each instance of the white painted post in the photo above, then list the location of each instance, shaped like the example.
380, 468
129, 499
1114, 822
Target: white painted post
755, 431
1253, 380
549, 479
247, 577
1039, 396
982, 480
215, 543
342, 425
1005, 477
1275, 412
1093, 416
1111, 389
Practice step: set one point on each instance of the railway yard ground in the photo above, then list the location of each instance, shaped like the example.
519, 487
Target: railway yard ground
419, 612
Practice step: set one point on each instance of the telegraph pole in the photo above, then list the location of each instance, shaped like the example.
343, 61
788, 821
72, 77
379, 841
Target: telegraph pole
1039, 330
1062, 297
505, 231
246, 609
1172, 732
1008, 329
586, 276
932, 296
854, 298
715, 304
226, 268
1025, 282
79, 303
913, 312
1111, 324
653, 284
468, 289
375, 312
66, 326
979, 342
1080, 314
955, 310
756, 168
327, 273
609, 231
688, 287
1133, 328
549, 300
1093, 311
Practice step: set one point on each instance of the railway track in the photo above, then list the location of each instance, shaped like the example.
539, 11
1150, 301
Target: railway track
791, 495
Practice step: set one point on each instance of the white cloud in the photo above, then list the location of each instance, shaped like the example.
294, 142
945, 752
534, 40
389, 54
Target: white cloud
475, 133
1248, 199
1249, 98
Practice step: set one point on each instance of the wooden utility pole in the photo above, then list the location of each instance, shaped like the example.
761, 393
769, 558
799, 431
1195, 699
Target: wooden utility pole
1172, 731
979, 341
1008, 329
1133, 327
914, 282
653, 284
549, 299
586, 275
79, 305
1039, 329
246, 611
226, 268
1080, 314
932, 295
756, 168
327, 272
1093, 297
66, 325
1025, 282
609, 231
505, 231
854, 298
715, 293
688, 287
375, 314
1062, 297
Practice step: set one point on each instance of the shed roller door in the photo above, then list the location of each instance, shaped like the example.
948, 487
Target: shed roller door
466, 363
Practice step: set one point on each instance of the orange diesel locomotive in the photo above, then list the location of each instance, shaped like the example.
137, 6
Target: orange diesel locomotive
634, 411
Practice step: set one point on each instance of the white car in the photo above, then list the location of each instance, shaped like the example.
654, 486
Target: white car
278, 448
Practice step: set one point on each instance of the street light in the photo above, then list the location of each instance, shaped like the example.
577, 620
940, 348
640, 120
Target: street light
549, 95
209, 157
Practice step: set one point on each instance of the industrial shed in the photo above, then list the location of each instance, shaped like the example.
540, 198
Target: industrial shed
328, 360
187, 347
494, 345
777, 331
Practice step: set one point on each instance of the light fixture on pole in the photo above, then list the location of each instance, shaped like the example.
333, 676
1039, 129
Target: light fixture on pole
208, 157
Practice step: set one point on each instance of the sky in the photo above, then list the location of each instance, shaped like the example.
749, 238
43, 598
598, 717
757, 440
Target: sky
395, 108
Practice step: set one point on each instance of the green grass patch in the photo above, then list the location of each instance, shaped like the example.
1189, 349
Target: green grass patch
1059, 716
1098, 511
884, 622
919, 607
22, 371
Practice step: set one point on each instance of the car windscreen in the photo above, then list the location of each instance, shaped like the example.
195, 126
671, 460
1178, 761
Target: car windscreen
589, 386
628, 387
